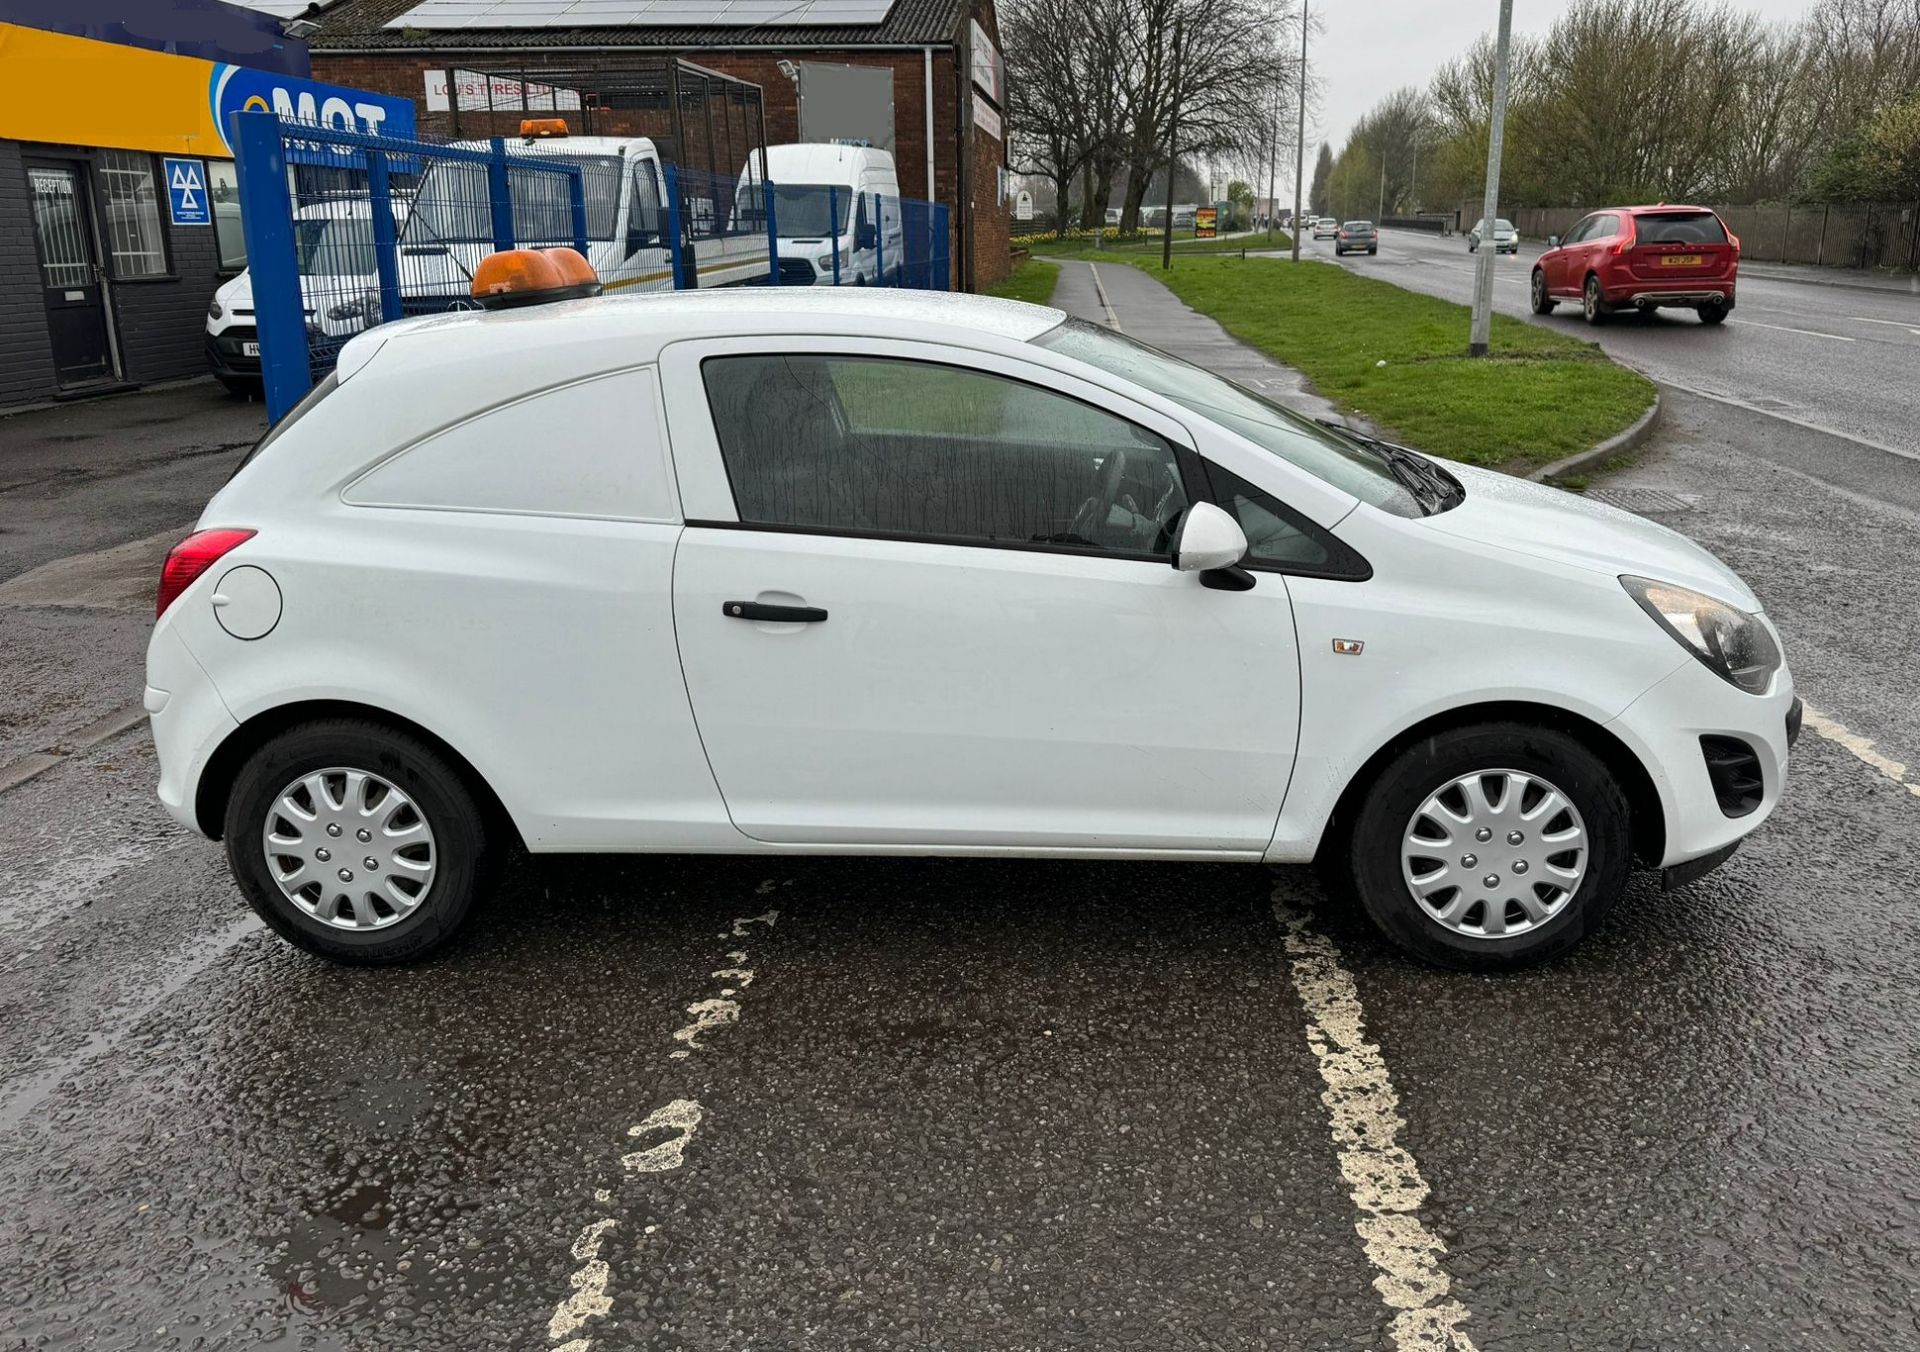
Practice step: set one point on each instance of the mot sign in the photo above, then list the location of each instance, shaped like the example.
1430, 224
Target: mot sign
187, 202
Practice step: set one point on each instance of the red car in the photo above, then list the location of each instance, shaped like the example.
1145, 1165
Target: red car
1640, 258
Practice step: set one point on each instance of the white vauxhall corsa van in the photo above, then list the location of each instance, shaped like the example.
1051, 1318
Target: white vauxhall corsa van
834, 197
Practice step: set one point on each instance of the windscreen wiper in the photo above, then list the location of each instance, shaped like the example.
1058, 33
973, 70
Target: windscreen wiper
1413, 469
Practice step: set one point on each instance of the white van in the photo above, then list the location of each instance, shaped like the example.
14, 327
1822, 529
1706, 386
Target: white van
812, 181
339, 289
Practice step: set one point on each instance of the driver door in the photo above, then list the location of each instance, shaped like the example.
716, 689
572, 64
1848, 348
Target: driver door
924, 598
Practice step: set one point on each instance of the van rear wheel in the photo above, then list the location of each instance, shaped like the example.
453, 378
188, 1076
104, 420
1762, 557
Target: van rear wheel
357, 842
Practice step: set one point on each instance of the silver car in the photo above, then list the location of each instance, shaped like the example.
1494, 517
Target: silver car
1505, 238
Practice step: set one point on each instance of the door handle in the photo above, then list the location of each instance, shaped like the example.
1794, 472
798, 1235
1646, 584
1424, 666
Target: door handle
759, 610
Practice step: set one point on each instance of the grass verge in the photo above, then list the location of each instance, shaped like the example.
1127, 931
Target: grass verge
1399, 359
1031, 280
1138, 246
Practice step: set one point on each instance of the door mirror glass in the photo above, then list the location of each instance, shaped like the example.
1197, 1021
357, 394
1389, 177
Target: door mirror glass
1553, 241
1208, 538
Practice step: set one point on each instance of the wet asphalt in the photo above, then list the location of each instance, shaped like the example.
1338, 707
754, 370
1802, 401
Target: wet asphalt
961, 1104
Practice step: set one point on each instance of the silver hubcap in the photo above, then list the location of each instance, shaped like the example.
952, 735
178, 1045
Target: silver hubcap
1494, 854
349, 848
1593, 298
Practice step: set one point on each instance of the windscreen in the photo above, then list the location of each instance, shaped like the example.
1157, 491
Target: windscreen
454, 205
806, 210
1679, 227
339, 247
1306, 445
1355, 226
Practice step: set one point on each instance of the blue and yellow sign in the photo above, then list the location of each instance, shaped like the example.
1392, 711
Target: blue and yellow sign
76, 91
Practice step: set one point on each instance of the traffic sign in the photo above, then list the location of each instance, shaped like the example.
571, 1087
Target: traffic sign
187, 192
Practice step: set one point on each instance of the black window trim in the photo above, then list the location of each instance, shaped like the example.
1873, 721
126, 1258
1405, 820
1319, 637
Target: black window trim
1191, 477
1345, 563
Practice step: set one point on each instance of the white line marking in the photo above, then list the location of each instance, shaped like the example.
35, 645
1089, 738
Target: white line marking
682, 1117
589, 1299
1382, 1177
1782, 328
707, 1014
1113, 319
1861, 747
1890, 323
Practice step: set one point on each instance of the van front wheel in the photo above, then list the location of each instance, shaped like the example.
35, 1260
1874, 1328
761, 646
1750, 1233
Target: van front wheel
1491, 847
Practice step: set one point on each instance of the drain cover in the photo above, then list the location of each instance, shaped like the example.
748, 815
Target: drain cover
1645, 501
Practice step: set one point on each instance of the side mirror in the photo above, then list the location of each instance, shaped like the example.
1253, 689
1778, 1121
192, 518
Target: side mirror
641, 235
867, 237
1553, 241
1208, 539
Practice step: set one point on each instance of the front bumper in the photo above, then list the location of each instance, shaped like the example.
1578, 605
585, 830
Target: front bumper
1664, 728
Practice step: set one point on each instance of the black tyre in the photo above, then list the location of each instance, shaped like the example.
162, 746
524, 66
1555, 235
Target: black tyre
242, 388
1373, 250
1542, 303
1491, 847
1711, 313
357, 842
1593, 308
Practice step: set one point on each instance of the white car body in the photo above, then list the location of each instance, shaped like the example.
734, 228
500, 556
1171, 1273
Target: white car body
1326, 228
866, 193
627, 225
516, 534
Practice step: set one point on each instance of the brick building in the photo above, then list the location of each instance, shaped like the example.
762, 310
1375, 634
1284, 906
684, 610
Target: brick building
922, 78
119, 211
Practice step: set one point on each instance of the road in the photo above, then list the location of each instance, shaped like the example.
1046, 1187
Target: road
700, 1103
1842, 360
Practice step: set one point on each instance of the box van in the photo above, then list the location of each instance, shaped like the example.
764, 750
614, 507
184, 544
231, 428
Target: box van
814, 181
451, 227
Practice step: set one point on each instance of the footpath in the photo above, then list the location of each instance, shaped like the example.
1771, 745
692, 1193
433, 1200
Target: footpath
1123, 297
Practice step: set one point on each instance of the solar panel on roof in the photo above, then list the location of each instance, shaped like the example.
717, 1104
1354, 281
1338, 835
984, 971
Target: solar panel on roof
444, 14
280, 9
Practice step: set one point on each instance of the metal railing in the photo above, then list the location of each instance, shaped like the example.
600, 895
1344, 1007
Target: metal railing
346, 231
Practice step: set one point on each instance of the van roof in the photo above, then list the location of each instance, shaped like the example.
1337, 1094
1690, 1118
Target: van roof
822, 161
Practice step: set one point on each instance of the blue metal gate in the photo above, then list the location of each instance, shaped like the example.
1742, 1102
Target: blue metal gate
347, 230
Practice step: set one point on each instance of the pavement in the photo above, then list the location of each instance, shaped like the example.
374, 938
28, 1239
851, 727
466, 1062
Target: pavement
707, 1103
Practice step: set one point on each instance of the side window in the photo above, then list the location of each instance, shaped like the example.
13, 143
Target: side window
230, 241
1279, 537
876, 446
1579, 232
590, 449
644, 224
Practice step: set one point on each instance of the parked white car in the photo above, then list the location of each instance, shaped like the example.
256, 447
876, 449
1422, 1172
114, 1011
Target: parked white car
339, 285
875, 572
830, 199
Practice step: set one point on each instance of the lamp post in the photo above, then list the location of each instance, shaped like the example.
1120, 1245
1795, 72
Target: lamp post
1300, 145
1490, 203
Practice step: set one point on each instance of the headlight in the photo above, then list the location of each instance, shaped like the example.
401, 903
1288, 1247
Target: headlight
1736, 646
215, 310
348, 309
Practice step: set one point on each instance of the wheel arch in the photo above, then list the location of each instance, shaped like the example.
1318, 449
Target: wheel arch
1648, 822
223, 767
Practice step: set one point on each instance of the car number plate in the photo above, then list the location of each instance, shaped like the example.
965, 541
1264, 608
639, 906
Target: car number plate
249, 349
1681, 261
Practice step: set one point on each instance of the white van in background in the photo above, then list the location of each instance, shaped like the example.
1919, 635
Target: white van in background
813, 181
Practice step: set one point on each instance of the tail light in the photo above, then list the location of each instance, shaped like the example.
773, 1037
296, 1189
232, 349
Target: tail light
192, 557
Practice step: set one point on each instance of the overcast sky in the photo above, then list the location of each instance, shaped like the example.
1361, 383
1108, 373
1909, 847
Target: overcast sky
1367, 50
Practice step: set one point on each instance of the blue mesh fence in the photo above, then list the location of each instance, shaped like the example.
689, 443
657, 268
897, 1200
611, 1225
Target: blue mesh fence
346, 231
